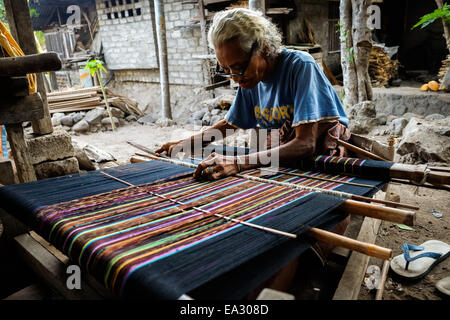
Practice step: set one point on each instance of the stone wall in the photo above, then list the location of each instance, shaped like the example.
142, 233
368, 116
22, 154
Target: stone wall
184, 99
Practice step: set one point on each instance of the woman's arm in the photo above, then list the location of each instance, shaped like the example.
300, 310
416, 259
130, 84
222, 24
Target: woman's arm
303, 145
218, 131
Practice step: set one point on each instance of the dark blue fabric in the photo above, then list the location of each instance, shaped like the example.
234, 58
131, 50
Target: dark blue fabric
379, 170
23, 200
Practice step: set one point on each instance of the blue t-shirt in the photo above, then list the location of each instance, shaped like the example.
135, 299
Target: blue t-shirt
297, 90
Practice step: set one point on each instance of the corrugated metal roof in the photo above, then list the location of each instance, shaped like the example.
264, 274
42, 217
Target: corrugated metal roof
47, 11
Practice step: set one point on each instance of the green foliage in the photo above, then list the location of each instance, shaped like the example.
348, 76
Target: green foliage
429, 18
94, 66
343, 36
34, 13
2, 12
3, 19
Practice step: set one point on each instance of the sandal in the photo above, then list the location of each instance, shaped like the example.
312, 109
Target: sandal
417, 261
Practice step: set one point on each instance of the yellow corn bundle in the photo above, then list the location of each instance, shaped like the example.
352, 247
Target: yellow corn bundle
13, 50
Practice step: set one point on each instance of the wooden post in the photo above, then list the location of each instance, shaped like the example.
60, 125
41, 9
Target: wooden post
19, 20
257, 5
162, 53
16, 138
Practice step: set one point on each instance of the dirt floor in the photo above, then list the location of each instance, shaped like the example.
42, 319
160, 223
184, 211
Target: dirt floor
428, 225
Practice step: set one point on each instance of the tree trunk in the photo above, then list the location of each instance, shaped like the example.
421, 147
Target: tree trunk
356, 44
362, 44
445, 25
347, 61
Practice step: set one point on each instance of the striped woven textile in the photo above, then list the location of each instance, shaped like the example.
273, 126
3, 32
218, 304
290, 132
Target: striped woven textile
141, 245
344, 165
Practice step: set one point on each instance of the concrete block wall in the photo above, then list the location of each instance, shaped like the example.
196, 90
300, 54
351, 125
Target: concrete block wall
129, 43
127, 34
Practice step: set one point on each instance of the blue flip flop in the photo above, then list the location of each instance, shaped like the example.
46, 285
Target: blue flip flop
417, 261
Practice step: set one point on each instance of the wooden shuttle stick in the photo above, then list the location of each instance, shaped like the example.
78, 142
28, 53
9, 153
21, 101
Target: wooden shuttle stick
351, 244
360, 151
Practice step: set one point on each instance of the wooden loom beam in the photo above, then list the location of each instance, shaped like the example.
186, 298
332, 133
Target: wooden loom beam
33, 63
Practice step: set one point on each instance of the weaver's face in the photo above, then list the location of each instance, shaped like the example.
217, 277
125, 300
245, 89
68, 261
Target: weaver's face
246, 69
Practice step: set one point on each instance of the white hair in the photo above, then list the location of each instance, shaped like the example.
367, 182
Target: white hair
246, 25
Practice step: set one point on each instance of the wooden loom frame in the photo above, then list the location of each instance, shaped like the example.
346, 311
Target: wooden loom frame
51, 264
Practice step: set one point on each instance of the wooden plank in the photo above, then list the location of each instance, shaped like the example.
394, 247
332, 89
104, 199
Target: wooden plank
7, 176
19, 109
73, 109
50, 269
15, 86
350, 283
24, 167
65, 259
32, 292
32, 63
75, 91
69, 97
72, 103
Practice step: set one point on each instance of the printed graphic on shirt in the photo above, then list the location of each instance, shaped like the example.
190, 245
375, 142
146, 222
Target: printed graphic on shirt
273, 116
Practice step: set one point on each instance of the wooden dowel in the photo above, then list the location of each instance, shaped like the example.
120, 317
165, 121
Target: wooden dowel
386, 202
360, 151
33, 63
419, 174
378, 212
318, 234
349, 206
342, 241
383, 277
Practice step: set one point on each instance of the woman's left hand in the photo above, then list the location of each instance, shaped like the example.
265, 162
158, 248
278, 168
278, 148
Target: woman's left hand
216, 166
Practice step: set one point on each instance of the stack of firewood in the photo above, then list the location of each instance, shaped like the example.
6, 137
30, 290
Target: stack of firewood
381, 67
89, 98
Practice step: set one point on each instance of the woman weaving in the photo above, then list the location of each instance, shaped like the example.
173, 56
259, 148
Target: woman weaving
278, 89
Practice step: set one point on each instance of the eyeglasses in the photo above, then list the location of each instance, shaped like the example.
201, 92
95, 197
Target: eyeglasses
222, 72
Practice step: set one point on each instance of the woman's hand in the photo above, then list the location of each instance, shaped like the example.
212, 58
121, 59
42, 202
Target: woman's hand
217, 166
167, 148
